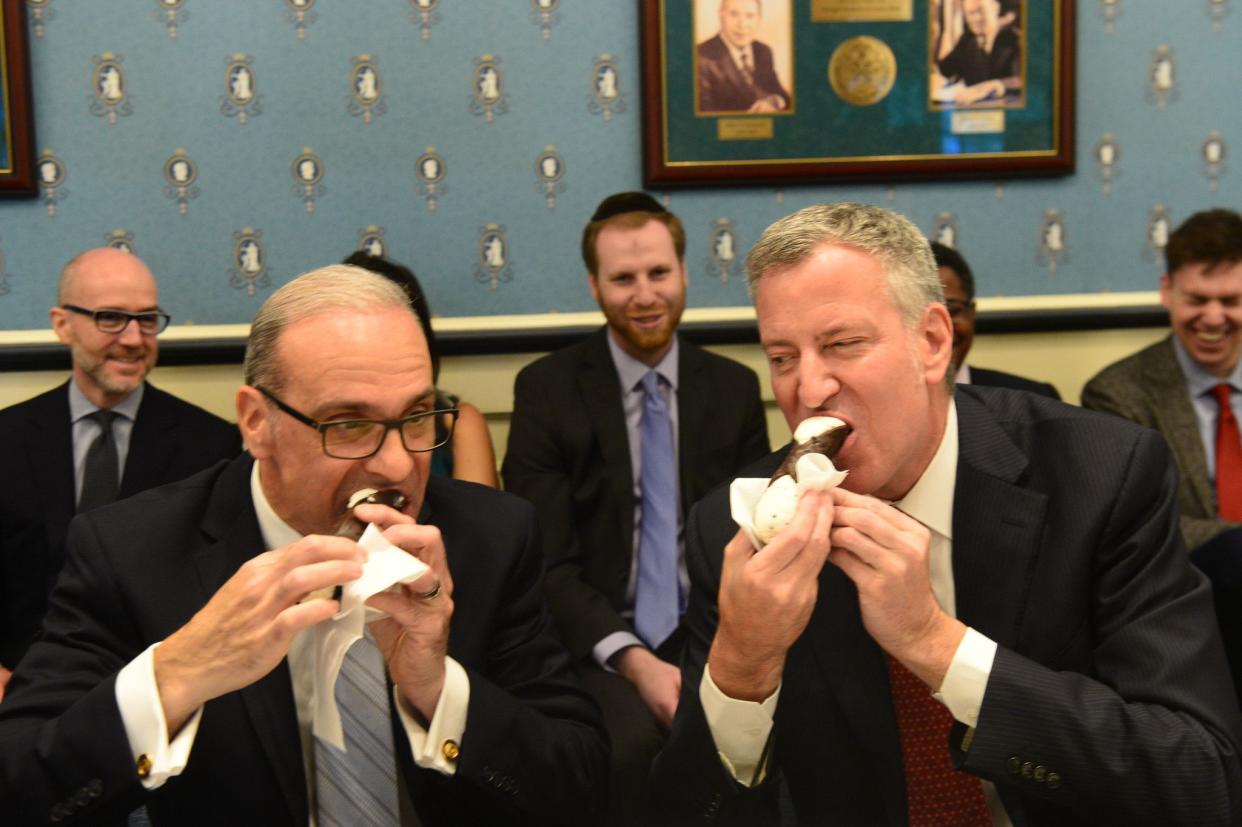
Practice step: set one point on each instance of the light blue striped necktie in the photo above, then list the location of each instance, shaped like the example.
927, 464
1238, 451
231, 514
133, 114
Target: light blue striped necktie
656, 598
359, 786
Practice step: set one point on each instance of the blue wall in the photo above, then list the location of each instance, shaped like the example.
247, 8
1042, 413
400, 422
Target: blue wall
175, 88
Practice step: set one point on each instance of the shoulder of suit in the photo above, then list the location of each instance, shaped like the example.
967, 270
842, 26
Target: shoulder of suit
471, 502
697, 356
555, 364
37, 403
1128, 369
176, 408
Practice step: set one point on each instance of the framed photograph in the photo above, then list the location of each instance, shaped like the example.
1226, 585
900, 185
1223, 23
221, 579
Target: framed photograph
803, 91
17, 175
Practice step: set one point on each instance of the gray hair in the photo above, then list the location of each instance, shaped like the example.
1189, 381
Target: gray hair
331, 289
903, 252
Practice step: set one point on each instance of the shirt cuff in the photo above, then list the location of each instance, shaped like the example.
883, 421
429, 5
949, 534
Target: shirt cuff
740, 730
156, 759
437, 746
612, 644
967, 677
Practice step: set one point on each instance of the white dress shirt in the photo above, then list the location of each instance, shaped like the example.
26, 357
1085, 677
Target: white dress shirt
740, 729
137, 695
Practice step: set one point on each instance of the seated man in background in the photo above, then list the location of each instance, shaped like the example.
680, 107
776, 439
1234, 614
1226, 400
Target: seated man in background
1017, 557
613, 439
959, 296
983, 62
179, 666
1188, 386
104, 434
468, 455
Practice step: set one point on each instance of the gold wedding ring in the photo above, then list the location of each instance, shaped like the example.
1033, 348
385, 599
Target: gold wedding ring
431, 595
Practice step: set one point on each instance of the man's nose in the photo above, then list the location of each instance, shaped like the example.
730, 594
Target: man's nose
817, 382
131, 334
391, 462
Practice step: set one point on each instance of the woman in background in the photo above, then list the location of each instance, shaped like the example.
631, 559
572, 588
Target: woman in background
469, 454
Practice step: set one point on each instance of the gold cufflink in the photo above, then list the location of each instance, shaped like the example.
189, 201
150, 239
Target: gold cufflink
450, 750
143, 765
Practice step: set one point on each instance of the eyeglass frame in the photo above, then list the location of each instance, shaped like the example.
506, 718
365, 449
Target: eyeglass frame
162, 319
957, 307
389, 424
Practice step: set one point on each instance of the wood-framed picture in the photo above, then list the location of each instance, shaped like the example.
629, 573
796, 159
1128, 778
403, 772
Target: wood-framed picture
810, 91
17, 168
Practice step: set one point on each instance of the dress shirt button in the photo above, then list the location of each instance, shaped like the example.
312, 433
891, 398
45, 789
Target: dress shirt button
1054, 780
1041, 773
450, 750
1027, 769
1014, 765
143, 765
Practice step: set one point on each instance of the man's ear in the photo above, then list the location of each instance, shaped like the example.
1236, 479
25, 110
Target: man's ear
936, 342
593, 283
254, 422
60, 324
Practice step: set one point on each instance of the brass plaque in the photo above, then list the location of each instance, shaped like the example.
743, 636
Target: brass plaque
862, 70
861, 11
744, 129
978, 122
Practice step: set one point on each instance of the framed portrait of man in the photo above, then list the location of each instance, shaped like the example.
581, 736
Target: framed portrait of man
17, 163
978, 53
743, 57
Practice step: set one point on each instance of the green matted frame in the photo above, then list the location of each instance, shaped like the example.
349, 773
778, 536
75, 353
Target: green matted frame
17, 173
904, 133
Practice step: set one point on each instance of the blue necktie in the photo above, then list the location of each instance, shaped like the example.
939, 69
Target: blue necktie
656, 600
359, 786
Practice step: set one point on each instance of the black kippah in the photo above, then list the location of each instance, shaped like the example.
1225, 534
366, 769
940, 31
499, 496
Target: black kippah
624, 202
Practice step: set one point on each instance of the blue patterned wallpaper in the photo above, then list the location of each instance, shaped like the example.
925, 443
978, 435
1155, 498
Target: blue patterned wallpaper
236, 143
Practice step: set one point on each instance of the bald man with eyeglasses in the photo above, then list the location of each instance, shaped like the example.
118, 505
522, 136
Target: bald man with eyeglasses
60, 458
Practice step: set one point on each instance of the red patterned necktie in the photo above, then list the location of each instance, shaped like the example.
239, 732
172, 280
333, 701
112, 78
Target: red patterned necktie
1228, 459
936, 794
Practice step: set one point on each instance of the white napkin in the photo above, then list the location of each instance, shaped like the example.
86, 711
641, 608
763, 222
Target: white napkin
385, 566
815, 472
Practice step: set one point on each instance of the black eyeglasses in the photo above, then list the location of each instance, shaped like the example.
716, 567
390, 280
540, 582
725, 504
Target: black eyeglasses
361, 438
115, 321
957, 307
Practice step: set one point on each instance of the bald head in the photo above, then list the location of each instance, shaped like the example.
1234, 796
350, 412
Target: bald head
102, 265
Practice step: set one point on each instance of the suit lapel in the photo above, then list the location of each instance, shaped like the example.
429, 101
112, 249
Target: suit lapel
232, 537
50, 455
1169, 399
601, 396
997, 526
151, 444
692, 414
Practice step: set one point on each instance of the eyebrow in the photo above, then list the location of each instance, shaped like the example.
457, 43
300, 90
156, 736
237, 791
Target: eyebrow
356, 406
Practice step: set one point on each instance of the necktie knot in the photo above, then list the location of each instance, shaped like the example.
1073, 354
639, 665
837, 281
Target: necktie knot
652, 389
1222, 392
103, 419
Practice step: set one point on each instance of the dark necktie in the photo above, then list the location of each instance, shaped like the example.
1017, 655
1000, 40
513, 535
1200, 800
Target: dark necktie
1228, 458
100, 477
358, 787
936, 794
656, 598
748, 71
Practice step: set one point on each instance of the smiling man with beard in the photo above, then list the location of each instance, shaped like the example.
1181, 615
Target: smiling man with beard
108, 314
576, 450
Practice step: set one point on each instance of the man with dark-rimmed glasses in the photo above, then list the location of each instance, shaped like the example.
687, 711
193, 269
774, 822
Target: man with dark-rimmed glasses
103, 435
182, 642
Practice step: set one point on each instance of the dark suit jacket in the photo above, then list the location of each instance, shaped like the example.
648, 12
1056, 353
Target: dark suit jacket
138, 570
569, 454
723, 87
1148, 388
1000, 379
171, 440
1109, 671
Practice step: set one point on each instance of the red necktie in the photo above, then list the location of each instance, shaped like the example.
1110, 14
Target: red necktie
1228, 459
936, 794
